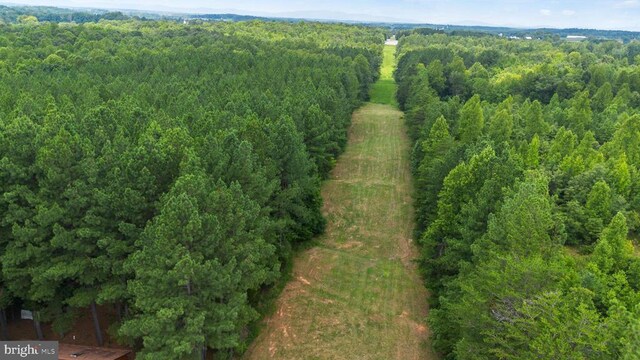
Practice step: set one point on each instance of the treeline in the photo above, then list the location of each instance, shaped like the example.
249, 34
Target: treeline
536, 33
167, 170
526, 166
30, 14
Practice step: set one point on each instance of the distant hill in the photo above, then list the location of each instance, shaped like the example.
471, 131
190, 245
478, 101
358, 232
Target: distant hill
10, 14
468, 29
592, 34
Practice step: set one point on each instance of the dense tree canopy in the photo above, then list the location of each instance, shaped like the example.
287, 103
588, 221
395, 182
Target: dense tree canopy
527, 187
168, 169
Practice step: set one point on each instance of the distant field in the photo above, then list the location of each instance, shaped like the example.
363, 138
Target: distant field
357, 295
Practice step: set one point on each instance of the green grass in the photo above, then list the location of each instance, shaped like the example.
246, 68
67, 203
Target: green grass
357, 294
388, 62
384, 90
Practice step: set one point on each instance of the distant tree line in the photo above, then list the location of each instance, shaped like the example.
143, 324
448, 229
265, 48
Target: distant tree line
168, 170
594, 35
20, 14
526, 164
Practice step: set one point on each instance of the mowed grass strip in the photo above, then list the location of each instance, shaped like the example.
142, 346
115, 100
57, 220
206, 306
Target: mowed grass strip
357, 295
384, 90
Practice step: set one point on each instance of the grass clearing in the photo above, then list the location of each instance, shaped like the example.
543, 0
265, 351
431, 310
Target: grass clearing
357, 295
384, 90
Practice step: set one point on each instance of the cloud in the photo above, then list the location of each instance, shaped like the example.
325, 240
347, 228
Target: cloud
568, 12
627, 4
545, 12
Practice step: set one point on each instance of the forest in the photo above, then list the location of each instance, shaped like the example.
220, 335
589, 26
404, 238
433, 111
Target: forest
526, 164
168, 173
167, 170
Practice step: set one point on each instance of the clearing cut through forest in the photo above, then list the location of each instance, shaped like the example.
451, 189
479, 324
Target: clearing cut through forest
357, 294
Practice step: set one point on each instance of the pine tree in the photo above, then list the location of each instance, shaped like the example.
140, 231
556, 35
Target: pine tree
437, 80
580, 115
501, 126
533, 153
432, 170
316, 130
632, 349
470, 193
561, 146
484, 308
551, 325
598, 207
602, 98
363, 73
621, 175
613, 248
297, 203
627, 140
471, 120
524, 224
534, 121
457, 78
197, 260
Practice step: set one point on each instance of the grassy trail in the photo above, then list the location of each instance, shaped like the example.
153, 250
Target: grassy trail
384, 90
357, 294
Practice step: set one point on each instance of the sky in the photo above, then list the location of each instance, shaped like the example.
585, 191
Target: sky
598, 14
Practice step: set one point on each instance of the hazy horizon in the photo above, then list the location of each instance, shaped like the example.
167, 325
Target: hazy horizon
598, 14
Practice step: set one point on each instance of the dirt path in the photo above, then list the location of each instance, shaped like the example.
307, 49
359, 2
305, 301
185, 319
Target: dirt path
358, 294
